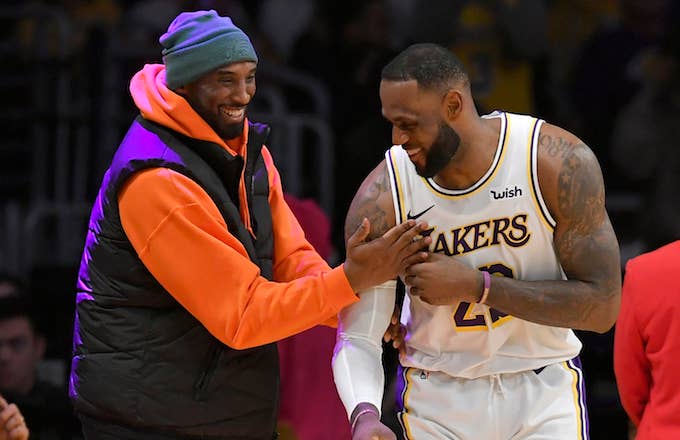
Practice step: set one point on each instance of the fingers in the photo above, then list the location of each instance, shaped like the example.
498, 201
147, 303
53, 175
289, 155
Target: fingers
417, 242
399, 338
391, 332
412, 240
401, 230
13, 422
5, 415
394, 334
409, 264
406, 234
19, 433
431, 300
410, 282
411, 271
10, 411
360, 234
415, 252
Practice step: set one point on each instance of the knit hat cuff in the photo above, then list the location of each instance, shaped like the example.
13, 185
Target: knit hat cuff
188, 64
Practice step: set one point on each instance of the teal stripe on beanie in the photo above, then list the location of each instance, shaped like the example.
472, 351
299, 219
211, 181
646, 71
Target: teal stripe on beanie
201, 41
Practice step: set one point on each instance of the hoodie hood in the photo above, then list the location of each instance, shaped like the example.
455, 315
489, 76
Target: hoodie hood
157, 103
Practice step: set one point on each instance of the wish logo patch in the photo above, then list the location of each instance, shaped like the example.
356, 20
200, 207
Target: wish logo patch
509, 192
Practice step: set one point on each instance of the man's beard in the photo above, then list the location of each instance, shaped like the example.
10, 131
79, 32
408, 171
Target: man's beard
443, 148
223, 129
231, 131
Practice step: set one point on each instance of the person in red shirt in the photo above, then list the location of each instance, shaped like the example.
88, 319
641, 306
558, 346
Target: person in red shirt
647, 343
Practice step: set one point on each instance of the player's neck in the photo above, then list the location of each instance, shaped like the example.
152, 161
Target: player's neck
474, 156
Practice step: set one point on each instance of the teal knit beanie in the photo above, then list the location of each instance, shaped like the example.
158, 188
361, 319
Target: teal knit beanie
198, 42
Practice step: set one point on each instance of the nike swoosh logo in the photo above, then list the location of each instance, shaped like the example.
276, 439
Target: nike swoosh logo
410, 216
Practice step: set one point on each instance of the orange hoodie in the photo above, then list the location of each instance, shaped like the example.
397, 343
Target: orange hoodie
181, 237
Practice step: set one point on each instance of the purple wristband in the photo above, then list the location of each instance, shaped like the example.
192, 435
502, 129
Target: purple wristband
359, 414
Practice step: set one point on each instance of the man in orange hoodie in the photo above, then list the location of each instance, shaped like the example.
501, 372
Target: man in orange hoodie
194, 265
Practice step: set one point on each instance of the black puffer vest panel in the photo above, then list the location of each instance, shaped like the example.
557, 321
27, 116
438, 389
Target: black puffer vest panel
140, 359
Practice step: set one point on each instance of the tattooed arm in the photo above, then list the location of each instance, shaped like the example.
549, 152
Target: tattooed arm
357, 366
380, 253
373, 201
572, 186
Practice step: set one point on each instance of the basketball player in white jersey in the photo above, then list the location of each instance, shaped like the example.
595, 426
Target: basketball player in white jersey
521, 251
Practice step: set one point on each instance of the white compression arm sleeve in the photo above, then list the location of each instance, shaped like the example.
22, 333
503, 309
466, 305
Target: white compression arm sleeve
357, 360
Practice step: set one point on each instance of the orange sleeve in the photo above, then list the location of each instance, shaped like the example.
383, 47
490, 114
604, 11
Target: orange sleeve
182, 239
293, 254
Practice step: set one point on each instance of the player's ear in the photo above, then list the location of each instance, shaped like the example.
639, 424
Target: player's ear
452, 104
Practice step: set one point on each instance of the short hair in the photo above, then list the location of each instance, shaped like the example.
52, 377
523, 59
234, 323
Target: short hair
433, 67
17, 306
17, 302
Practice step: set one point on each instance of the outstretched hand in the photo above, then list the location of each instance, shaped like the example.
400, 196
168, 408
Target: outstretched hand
371, 263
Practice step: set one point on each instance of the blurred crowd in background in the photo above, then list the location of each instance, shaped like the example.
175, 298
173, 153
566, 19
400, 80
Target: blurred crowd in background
606, 70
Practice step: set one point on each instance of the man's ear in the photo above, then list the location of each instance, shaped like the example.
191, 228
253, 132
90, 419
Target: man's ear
452, 104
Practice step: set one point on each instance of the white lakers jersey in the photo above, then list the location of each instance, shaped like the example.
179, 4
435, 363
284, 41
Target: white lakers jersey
501, 225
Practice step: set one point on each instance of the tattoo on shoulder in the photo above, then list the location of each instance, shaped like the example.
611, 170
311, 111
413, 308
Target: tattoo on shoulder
580, 192
556, 146
367, 203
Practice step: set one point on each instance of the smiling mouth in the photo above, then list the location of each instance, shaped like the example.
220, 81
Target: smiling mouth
233, 113
413, 152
